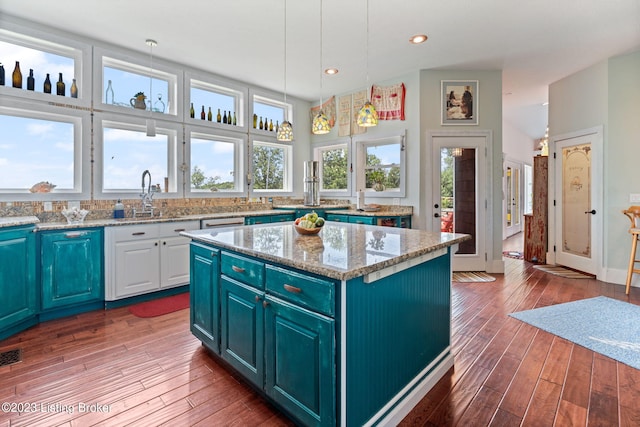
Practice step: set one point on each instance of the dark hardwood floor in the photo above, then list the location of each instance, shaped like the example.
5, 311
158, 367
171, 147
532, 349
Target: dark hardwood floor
154, 372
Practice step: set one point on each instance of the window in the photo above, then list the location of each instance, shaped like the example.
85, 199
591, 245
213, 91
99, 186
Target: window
122, 81
270, 113
219, 100
127, 152
215, 165
271, 166
381, 165
334, 169
47, 146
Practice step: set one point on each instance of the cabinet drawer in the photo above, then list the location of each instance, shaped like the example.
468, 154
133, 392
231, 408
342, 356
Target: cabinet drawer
369, 220
134, 232
243, 269
337, 218
282, 218
168, 229
309, 292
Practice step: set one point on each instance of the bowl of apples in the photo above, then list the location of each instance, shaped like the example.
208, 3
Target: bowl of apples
309, 224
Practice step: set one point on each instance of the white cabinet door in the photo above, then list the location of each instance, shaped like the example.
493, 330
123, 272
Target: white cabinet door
174, 261
137, 269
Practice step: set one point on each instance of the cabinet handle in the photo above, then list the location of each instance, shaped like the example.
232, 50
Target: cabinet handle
138, 233
237, 269
74, 235
178, 230
291, 289
164, 243
257, 298
156, 244
265, 304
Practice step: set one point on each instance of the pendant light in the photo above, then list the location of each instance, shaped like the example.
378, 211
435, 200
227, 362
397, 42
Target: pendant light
367, 116
320, 125
151, 123
285, 131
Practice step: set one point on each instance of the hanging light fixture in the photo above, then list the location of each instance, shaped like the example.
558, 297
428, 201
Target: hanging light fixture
367, 116
320, 125
285, 131
151, 123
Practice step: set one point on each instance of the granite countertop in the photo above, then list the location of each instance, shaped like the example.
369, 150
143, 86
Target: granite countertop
13, 221
341, 251
111, 222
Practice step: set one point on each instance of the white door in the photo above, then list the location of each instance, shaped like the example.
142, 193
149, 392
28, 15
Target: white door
459, 202
578, 195
512, 204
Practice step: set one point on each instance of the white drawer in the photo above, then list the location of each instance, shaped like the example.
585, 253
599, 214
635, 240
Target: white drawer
170, 229
125, 233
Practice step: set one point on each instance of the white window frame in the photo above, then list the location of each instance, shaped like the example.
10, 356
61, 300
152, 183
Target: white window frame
239, 141
137, 65
81, 121
287, 178
267, 98
223, 87
174, 156
361, 144
318, 149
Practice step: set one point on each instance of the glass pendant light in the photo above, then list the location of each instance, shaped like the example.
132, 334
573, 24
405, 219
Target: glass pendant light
367, 116
320, 125
151, 123
285, 131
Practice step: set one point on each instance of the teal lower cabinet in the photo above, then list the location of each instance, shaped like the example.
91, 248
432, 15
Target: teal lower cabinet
403, 221
337, 218
18, 288
267, 219
369, 220
282, 218
71, 271
204, 295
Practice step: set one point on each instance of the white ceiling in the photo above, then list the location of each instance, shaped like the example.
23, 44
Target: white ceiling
534, 42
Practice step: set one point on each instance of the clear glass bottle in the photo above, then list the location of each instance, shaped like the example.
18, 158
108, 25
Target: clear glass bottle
108, 96
74, 89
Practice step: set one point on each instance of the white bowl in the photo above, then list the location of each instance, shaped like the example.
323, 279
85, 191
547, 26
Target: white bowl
75, 216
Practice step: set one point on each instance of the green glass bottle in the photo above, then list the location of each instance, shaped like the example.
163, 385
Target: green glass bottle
60, 86
219, 117
261, 125
234, 119
271, 125
255, 121
47, 85
209, 115
192, 112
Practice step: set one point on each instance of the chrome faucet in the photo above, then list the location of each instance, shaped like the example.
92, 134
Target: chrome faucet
146, 196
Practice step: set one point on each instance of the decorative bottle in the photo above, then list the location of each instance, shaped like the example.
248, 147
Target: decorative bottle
192, 112
261, 123
17, 76
234, 119
109, 96
224, 117
219, 117
203, 115
1, 74
47, 85
74, 89
210, 115
31, 82
271, 125
255, 121
60, 87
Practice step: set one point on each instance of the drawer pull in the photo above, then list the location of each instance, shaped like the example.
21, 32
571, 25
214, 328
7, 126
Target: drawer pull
237, 269
257, 298
74, 235
179, 230
138, 233
291, 289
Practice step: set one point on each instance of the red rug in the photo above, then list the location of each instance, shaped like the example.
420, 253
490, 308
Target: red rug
160, 306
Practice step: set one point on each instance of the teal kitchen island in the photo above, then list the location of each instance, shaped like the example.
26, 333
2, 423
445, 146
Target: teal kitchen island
348, 327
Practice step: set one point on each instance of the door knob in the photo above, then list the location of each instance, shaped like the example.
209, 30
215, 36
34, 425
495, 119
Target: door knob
592, 212
436, 206
436, 215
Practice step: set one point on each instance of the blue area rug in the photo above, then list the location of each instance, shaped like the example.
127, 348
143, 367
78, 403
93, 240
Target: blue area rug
601, 324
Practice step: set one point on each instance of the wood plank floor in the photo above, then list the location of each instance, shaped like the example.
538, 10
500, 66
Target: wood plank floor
154, 372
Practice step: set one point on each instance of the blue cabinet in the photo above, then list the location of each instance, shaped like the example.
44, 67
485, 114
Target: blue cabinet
403, 221
266, 219
71, 266
204, 295
18, 287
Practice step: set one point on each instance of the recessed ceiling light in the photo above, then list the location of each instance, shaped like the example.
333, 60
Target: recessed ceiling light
331, 71
544, 104
418, 38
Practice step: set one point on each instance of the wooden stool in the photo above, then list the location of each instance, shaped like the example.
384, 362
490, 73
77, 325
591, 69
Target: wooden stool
633, 213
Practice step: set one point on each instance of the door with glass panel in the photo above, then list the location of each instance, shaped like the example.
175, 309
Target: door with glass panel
512, 198
459, 203
578, 211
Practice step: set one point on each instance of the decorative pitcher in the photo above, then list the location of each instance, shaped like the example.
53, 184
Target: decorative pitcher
138, 101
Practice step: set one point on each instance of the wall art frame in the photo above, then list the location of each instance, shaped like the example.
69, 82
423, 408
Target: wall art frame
459, 102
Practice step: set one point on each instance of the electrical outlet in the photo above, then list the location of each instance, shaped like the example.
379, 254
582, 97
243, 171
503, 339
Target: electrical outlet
48, 206
634, 198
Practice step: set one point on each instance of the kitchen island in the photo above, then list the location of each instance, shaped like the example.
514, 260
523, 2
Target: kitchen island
349, 327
